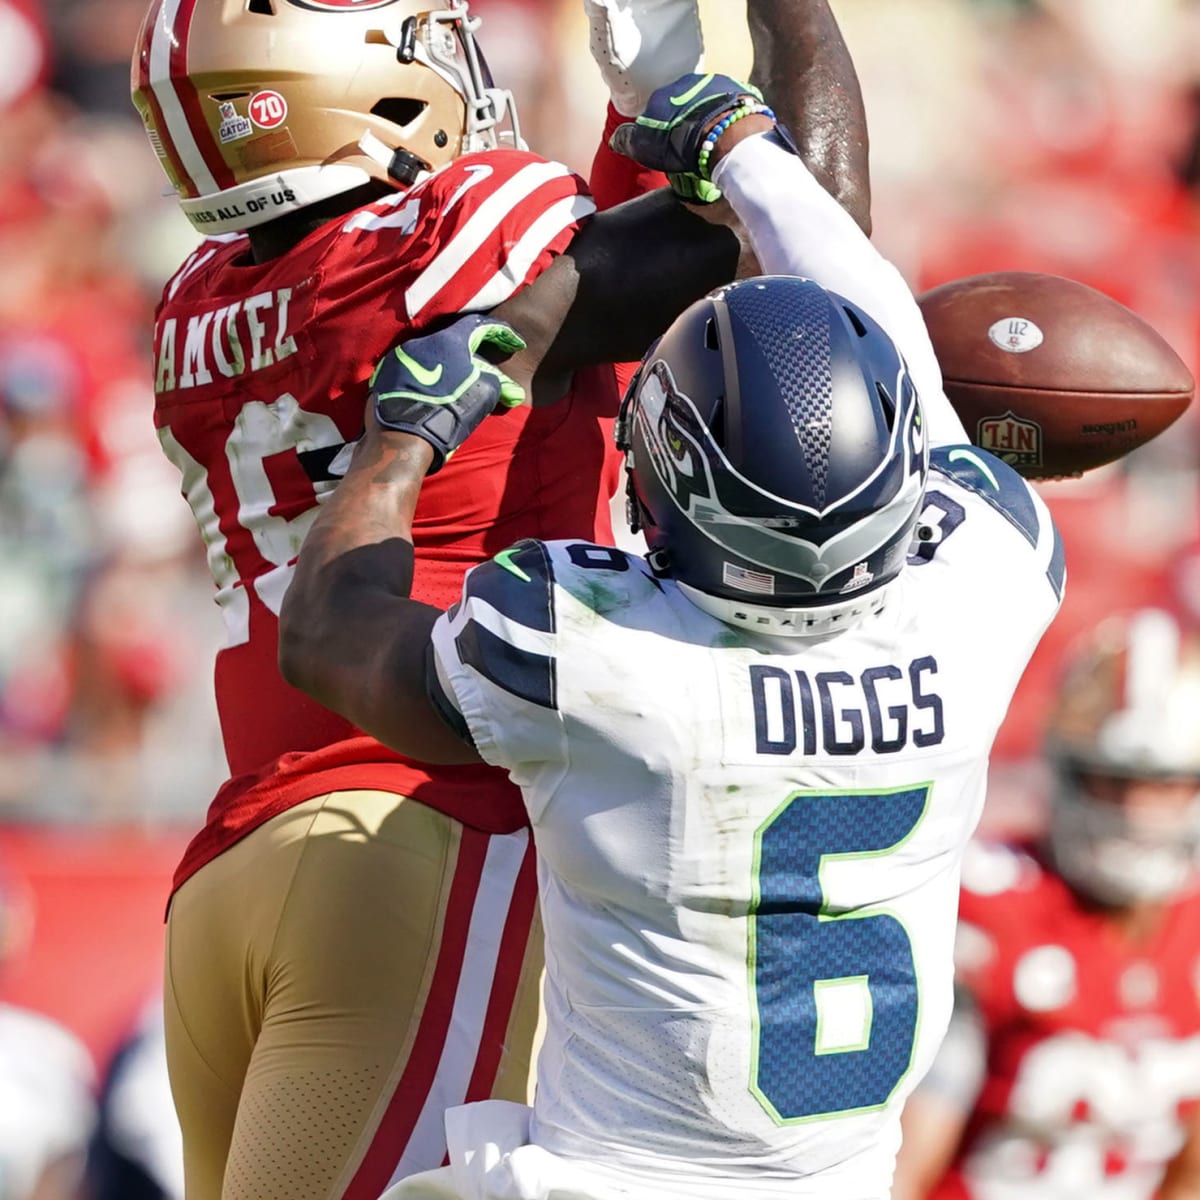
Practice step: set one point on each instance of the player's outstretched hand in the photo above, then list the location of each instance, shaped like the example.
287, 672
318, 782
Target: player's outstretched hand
440, 387
640, 45
681, 125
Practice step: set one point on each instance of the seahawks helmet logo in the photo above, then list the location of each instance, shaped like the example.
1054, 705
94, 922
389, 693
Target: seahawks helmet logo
701, 482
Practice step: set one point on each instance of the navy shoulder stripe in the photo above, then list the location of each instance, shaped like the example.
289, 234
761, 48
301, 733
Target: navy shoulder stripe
519, 672
1056, 572
519, 584
992, 480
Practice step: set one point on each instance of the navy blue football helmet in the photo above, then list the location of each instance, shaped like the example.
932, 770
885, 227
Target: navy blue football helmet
776, 456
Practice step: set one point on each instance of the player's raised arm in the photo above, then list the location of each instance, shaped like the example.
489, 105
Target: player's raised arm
632, 269
579, 312
794, 225
349, 633
805, 71
801, 64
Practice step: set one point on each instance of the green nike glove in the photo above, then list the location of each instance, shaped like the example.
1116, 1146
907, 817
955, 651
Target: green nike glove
440, 387
681, 123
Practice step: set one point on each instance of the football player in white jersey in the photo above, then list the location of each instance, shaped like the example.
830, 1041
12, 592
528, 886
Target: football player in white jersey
751, 760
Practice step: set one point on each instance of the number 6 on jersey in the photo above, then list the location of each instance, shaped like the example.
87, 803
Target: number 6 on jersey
834, 993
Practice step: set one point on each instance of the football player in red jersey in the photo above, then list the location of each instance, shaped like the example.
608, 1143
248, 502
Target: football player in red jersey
1072, 1068
352, 941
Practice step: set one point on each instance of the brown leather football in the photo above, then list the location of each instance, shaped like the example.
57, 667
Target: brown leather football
1049, 375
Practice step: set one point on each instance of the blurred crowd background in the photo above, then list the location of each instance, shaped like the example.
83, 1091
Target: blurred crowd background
1050, 135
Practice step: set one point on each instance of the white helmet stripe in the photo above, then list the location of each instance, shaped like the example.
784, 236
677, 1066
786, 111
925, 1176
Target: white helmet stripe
167, 29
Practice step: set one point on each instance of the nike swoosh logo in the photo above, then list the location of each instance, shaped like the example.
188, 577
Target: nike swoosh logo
691, 93
425, 376
504, 558
976, 461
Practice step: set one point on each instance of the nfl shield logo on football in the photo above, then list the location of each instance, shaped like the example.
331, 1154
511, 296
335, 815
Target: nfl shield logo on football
1018, 442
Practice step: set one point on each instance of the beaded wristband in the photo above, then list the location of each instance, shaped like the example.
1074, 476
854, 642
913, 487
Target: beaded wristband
746, 107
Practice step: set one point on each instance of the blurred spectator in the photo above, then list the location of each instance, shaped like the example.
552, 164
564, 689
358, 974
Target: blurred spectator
92, 41
100, 639
1072, 1068
137, 1150
46, 1106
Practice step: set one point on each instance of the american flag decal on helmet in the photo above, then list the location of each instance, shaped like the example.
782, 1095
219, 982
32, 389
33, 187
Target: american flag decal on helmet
760, 583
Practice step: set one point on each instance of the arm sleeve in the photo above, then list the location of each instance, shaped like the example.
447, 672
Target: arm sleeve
494, 655
798, 228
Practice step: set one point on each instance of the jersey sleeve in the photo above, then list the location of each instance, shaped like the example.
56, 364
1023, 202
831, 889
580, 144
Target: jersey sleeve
615, 178
494, 661
477, 231
990, 539
197, 261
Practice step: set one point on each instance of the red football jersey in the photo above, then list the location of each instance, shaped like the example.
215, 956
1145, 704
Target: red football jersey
261, 378
1093, 1040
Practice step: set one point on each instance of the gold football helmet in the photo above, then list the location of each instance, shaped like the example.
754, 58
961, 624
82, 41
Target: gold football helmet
260, 107
1124, 741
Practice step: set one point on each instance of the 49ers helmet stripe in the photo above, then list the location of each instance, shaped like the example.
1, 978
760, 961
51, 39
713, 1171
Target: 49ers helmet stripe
159, 132
163, 76
189, 98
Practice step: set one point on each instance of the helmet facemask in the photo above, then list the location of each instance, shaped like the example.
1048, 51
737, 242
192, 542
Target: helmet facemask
1120, 856
1125, 744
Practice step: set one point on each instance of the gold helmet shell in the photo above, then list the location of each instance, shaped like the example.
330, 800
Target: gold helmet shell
256, 108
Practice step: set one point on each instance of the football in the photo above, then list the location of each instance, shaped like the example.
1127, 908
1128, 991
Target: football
1049, 375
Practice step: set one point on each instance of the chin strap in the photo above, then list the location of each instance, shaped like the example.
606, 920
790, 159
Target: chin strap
400, 164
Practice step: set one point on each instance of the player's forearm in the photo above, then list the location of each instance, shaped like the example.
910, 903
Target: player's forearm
804, 69
349, 635
796, 228
624, 279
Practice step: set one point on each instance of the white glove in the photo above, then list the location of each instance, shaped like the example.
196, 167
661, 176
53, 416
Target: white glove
642, 45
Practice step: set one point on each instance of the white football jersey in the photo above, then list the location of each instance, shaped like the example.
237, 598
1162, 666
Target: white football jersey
750, 846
